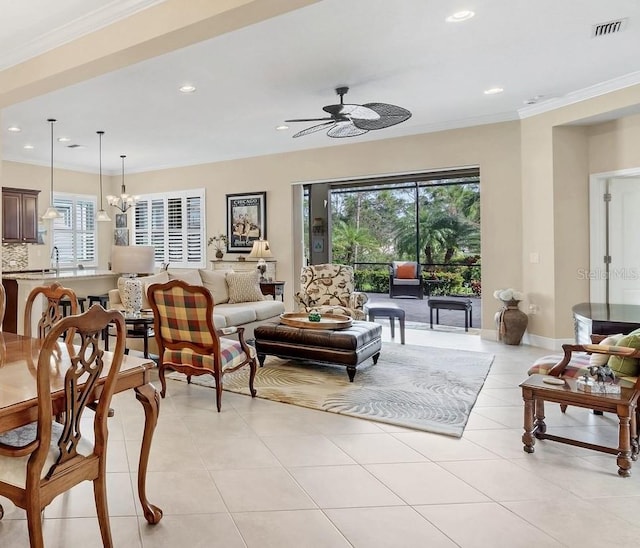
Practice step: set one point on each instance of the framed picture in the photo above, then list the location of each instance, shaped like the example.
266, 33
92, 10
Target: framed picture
121, 236
246, 220
121, 220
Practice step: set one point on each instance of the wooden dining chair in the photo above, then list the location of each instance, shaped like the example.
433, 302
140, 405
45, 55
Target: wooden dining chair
51, 312
43, 459
187, 340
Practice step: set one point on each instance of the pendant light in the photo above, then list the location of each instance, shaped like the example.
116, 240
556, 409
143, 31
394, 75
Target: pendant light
101, 215
124, 201
51, 212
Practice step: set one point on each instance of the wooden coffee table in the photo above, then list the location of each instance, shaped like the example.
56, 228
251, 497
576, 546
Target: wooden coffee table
535, 392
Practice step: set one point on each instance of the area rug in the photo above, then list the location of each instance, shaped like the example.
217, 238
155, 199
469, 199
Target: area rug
425, 388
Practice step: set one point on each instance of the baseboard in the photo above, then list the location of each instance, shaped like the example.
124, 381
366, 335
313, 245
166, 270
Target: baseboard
530, 340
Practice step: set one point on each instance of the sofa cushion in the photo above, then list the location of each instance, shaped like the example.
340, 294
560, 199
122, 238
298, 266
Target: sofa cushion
216, 282
602, 359
236, 313
159, 278
267, 309
244, 287
192, 277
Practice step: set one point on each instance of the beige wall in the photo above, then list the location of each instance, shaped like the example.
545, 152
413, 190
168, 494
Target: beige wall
495, 148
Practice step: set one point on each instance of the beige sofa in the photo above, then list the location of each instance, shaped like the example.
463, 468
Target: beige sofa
238, 301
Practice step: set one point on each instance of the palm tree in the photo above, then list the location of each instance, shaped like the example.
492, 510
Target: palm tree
346, 239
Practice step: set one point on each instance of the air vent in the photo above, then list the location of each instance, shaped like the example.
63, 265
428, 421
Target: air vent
75, 146
611, 27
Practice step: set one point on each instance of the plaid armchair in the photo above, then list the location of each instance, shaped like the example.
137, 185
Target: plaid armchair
187, 340
329, 289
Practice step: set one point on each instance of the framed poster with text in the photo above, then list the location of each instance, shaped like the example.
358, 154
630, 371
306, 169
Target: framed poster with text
246, 220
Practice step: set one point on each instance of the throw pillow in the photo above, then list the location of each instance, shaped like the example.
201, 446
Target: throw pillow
626, 367
192, 277
244, 287
216, 282
406, 271
602, 359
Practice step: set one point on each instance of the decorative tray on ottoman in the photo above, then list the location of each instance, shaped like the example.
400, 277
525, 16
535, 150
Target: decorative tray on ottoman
327, 321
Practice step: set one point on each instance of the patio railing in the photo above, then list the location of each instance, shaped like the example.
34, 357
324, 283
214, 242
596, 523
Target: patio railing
440, 278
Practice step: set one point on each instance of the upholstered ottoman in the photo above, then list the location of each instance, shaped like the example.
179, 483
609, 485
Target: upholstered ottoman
349, 347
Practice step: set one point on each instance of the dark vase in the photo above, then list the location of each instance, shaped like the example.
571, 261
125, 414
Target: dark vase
219, 254
511, 323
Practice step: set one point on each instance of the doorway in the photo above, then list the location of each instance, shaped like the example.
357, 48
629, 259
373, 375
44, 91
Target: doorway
615, 224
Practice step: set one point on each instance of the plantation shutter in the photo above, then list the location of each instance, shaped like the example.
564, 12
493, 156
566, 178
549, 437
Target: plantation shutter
74, 234
173, 223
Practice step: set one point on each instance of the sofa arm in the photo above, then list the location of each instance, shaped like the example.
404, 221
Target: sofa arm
357, 300
114, 299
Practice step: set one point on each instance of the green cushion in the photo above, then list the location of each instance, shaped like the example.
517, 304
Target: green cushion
626, 367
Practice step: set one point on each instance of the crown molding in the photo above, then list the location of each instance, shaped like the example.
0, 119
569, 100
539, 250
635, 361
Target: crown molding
97, 19
602, 88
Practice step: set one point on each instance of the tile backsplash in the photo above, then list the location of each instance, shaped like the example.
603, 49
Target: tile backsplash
15, 257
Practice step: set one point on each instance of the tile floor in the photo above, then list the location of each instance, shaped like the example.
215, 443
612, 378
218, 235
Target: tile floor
263, 474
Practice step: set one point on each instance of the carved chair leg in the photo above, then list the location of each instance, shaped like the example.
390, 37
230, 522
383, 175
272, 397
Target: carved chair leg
100, 496
563, 407
34, 524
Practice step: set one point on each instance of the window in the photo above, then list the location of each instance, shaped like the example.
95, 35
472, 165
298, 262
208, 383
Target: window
172, 222
74, 234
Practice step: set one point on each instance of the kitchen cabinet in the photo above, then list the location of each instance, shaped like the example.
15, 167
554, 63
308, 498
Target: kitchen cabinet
19, 215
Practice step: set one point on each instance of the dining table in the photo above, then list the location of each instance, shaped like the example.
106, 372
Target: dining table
19, 402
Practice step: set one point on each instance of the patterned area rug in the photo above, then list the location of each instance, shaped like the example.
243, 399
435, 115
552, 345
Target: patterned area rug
426, 388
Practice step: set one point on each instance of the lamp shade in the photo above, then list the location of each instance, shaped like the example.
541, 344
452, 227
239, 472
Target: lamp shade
132, 259
260, 250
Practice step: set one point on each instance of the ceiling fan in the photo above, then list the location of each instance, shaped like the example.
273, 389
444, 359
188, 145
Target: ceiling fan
348, 120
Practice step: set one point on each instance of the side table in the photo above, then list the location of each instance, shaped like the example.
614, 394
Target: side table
273, 288
137, 328
535, 392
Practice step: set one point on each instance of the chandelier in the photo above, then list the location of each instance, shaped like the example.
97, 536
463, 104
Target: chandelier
125, 201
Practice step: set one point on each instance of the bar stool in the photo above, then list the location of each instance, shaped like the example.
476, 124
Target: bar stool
103, 300
65, 304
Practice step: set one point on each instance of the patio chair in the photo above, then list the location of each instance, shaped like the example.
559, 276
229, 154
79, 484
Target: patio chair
330, 289
405, 279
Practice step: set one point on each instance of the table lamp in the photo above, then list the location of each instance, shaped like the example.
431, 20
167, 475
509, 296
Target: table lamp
261, 251
131, 260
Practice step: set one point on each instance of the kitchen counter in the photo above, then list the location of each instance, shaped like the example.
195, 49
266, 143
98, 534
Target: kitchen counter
52, 275
18, 285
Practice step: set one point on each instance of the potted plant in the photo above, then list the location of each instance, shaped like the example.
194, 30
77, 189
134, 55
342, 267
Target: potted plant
219, 242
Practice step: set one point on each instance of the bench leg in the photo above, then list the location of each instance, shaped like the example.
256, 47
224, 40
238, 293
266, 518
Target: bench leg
392, 322
431, 317
401, 329
466, 320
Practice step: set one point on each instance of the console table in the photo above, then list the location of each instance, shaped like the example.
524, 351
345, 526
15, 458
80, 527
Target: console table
244, 266
604, 319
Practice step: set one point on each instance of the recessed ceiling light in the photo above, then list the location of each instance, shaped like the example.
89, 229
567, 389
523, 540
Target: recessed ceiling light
28, 147
14, 129
187, 88
282, 127
63, 139
493, 91
460, 16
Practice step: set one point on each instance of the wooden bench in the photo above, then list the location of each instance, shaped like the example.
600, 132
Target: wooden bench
450, 303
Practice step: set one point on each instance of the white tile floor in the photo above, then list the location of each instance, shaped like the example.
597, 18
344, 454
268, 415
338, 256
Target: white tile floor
263, 474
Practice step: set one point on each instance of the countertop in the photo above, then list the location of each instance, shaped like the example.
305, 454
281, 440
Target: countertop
75, 274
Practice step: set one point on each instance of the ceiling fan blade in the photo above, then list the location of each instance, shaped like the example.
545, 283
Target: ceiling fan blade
313, 129
352, 111
390, 115
310, 119
345, 129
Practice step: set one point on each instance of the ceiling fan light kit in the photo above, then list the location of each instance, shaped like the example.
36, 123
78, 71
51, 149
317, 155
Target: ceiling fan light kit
350, 120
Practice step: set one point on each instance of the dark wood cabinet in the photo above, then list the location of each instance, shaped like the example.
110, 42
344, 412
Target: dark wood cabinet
19, 215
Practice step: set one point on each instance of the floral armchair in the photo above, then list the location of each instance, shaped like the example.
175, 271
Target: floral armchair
329, 288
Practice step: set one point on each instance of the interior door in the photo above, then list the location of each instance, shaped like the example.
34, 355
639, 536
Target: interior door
623, 237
